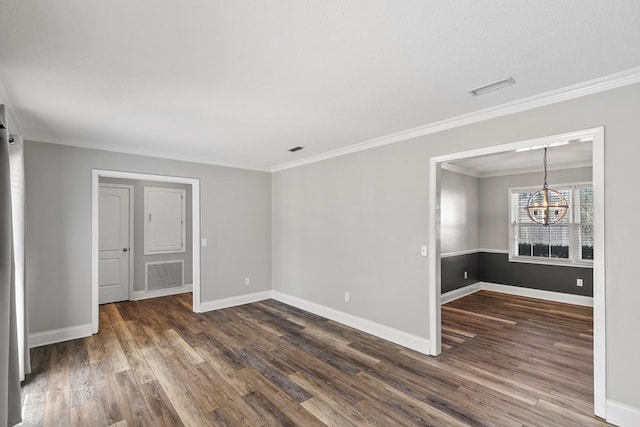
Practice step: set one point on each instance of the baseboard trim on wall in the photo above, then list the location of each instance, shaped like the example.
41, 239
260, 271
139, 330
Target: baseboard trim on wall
517, 290
234, 301
540, 294
622, 414
396, 336
138, 295
460, 292
53, 336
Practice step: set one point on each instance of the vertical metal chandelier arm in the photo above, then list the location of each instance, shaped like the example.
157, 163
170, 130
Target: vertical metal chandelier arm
544, 160
546, 206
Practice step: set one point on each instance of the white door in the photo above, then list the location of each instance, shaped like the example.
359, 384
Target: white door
114, 251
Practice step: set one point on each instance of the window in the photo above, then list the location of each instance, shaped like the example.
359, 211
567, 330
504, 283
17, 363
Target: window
568, 241
164, 225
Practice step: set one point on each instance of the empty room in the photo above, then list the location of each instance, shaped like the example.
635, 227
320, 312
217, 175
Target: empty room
319, 213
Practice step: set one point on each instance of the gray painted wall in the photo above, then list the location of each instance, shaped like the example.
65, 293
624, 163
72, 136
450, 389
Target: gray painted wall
356, 222
494, 206
459, 212
235, 217
139, 258
462, 210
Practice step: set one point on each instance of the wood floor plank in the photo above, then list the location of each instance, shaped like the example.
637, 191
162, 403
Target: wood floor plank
57, 408
229, 375
161, 409
275, 377
290, 407
134, 408
184, 350
34, 388
107, 403
57, 402
188, 411
325, 402
134, 356
84, 415
81, 391
269, 413
162, 371
232, 407
508, 361
113, 351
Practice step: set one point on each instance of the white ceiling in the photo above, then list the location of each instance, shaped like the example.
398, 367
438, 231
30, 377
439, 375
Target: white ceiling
239, 82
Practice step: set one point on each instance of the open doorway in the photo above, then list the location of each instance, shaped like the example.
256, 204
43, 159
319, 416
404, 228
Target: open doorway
116, 179
596, 136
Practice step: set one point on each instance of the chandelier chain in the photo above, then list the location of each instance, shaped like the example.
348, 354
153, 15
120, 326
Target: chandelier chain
545, 168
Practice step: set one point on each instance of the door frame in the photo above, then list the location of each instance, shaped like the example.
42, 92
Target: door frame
195, 240
131, 222
599, 306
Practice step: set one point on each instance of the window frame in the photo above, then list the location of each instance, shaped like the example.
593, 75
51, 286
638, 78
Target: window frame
574, 227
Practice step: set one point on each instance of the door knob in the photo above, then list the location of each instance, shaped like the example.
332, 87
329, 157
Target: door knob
125, 249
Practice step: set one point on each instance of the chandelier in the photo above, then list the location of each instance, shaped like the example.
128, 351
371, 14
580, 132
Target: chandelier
546, 206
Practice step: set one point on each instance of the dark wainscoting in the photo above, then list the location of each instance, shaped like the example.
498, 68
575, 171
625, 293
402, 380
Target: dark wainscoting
496, 268
452, 271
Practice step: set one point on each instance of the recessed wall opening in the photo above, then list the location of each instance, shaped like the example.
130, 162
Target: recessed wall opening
180, 244
443, 237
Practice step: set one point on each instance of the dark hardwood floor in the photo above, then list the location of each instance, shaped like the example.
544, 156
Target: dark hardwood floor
507, 361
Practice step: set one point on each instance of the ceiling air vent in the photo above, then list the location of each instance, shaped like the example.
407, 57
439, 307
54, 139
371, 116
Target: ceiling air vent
493, 86
294, 149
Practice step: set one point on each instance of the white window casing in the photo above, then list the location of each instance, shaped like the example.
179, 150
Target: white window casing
568, 242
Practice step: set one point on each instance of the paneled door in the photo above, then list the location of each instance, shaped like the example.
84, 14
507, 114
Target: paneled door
114, 244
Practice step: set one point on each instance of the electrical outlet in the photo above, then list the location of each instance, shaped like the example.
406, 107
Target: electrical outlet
347, 297
247, 281
579, 283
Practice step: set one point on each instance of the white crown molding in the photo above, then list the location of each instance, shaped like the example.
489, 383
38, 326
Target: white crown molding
517, 171
457, 169
146, 153
600, 84
514, 171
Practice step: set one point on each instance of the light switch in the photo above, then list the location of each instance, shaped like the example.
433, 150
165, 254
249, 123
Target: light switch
204, 242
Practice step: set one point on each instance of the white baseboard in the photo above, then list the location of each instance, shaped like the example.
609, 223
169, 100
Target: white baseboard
405, 339
460, 292
53, 336
138, 295
622, 415
234, 301
540, 294
517, 290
